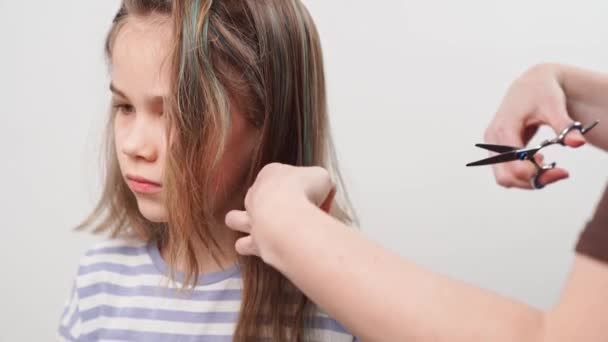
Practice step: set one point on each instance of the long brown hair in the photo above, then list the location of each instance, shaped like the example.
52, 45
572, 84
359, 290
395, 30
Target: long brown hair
264, 57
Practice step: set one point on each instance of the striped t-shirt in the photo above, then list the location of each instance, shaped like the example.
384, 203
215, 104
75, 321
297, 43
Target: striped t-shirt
121, 293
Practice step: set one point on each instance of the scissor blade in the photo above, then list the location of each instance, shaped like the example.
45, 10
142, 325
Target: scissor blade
501, 158
497, 148
589, 127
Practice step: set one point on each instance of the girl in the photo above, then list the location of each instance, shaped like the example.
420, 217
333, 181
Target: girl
204, 94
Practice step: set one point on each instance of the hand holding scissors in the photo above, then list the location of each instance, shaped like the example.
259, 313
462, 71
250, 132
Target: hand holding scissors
509, 153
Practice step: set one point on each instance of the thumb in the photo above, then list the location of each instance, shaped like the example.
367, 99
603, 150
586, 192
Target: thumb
319, 186
559, 121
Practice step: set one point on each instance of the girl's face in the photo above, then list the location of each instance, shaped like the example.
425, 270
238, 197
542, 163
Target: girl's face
140, 73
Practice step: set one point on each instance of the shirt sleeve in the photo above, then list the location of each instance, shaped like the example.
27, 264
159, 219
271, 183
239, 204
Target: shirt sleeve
593, 241
69, 325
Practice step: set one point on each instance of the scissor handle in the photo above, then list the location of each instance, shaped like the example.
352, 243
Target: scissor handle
540, 170
574, 126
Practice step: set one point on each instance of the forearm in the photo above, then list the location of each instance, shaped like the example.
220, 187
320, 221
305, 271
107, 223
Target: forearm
581, 312
586, 99
583, 306
381, 297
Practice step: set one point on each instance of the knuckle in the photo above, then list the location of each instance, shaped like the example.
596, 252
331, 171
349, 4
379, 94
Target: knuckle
320, 172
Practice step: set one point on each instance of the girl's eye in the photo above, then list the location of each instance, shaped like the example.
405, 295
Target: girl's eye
124, 109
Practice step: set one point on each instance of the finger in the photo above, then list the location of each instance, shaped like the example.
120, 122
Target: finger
246, 246
575, 139
558, 118
540, 158
238, 220
507, 133
520, 174
529, 133
553, 176
525, 178
318, 186
550, 176
517, 175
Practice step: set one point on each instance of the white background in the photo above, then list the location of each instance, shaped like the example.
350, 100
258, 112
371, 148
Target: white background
412, 85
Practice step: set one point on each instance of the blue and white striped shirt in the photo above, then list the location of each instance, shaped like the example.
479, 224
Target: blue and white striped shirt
122, 293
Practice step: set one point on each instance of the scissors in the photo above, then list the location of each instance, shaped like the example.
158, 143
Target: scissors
509, 153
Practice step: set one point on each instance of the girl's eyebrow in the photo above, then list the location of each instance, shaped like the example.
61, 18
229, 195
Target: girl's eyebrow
116, 91
151, 99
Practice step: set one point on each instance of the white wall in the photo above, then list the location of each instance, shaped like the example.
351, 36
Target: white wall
412, 85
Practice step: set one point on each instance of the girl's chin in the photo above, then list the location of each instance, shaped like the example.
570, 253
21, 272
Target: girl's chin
153, 212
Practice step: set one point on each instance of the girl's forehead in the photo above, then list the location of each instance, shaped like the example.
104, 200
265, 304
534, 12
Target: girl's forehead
137, 32
141, 56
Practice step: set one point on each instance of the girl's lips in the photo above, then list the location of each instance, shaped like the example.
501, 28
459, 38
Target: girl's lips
142, 185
